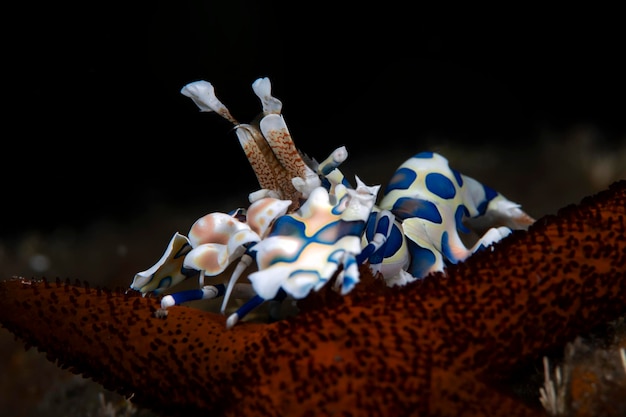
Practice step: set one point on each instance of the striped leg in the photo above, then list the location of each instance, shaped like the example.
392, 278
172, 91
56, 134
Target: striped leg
208, 292
250, 305
378, 230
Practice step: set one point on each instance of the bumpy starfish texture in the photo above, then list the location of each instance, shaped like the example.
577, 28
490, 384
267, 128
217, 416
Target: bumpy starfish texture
441, 346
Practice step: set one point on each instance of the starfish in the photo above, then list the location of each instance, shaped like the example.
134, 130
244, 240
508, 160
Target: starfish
442, 346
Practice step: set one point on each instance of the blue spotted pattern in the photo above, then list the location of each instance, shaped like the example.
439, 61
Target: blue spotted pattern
422, 259
406, 207
423, 155
327, 184
458, 177
461, 211
327, 235
440, 185
401, 180
490, 194
445, 247
392, 244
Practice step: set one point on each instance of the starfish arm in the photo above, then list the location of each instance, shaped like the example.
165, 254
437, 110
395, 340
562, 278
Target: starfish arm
422, 349
538, 289
116, 339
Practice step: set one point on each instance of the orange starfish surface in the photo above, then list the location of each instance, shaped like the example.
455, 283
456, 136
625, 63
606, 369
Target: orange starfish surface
441, 346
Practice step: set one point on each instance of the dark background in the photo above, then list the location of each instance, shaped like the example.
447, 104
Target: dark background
103, 159
96, 125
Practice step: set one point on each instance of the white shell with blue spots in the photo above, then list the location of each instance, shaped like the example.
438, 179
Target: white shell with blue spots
431, 202
412, 232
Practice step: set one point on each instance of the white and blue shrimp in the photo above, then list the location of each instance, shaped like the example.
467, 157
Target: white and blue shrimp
303, 250
432, 204
296, 248
307, 223
415, 229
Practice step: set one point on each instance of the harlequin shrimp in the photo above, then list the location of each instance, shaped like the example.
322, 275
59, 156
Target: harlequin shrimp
297, 248
423, 210
307, 222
